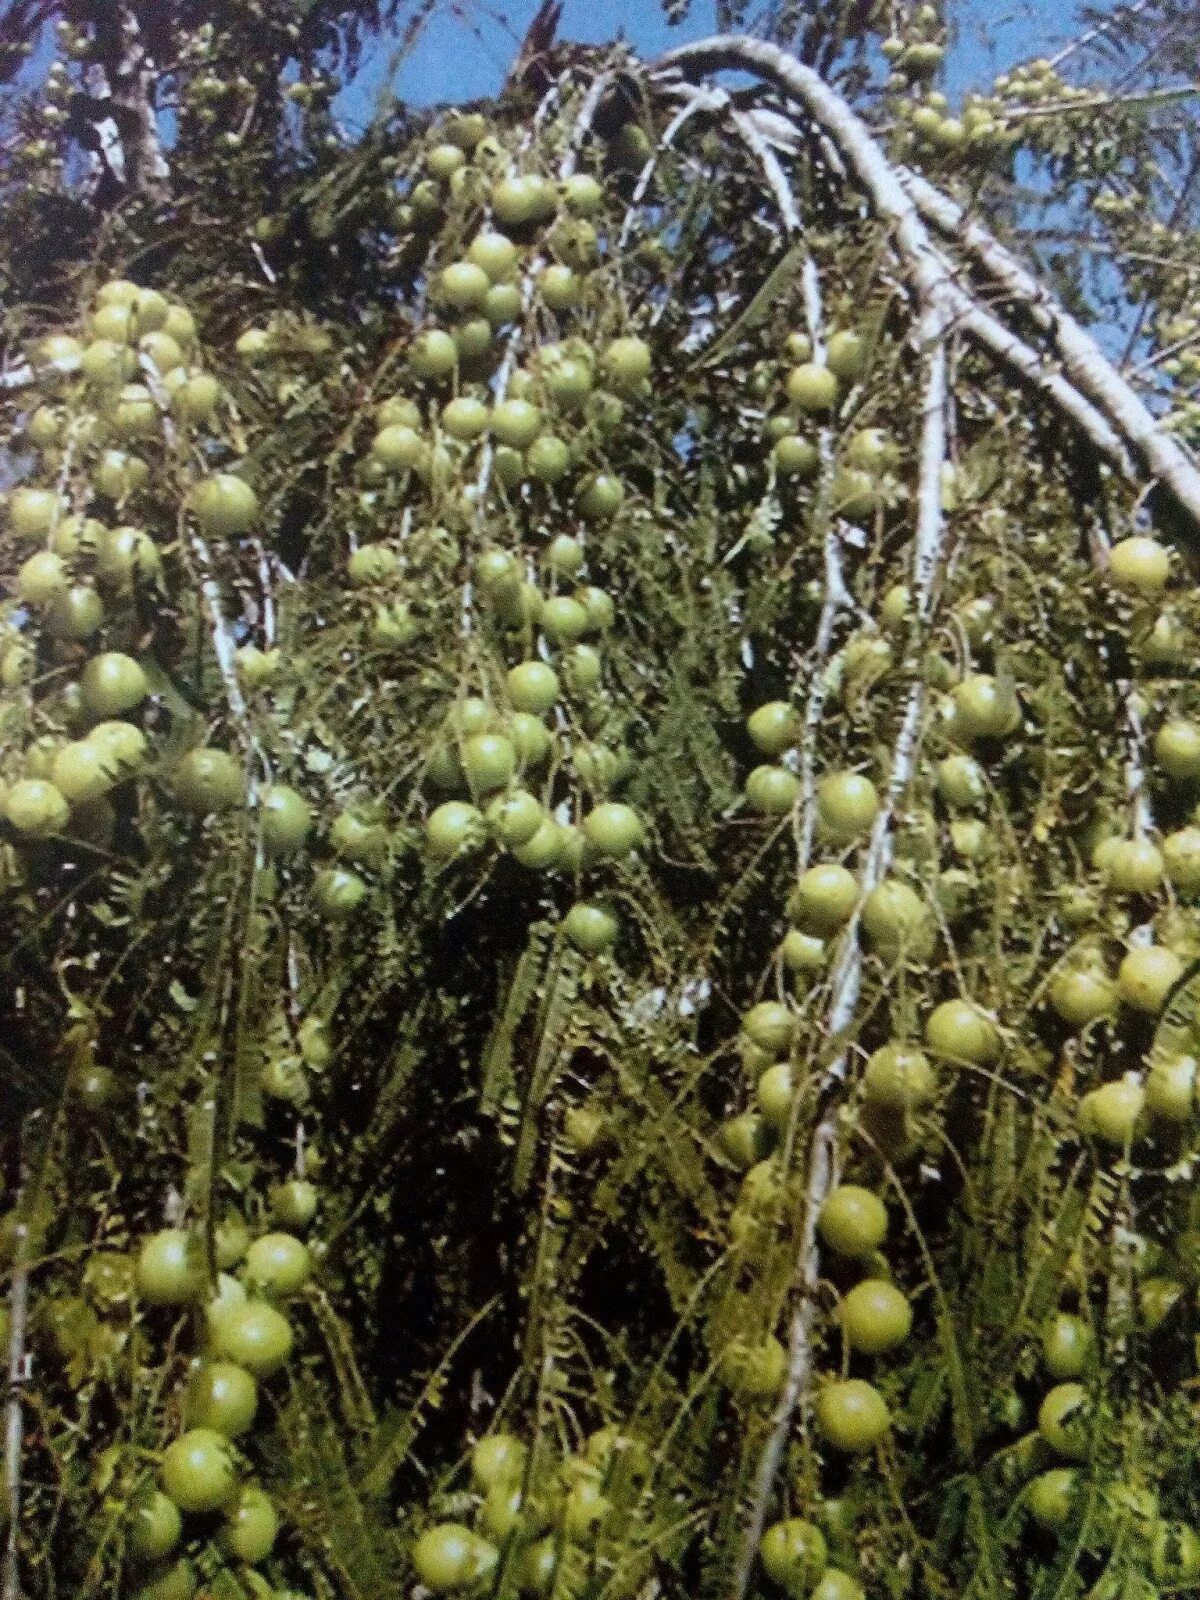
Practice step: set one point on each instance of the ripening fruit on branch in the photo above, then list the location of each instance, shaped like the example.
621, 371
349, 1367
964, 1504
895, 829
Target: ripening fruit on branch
1147, 975
755, 1369
224, 506
852, 1415
847, 804
1112, 1113
253, 1335
1068, 1346
1052, 1497
220, 1397
824, 898
853, 1221
1063, 1420
793, 1554
449, 1558
959, 1031
875, 1317
899, 1077
198, 1472
1177, 749
1139, 565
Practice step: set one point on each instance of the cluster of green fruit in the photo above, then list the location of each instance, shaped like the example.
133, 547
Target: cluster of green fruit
245, 1338
813, 391
536, 1517
513, 419
132, 388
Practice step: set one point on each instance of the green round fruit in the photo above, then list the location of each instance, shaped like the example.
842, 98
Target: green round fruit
168, 1269
613, 829
627, 363
278, 1265
795, 456
1063, 1420
254, 1335
897, 922
563, 620
793, 1554
224, 506
489, 761
1146, 977
984, 708
465, 418
1082, 994
1171, 1088
846, 355
533, 687
837, 1585
198, 1472
1068, 1345
75, 613
853, 1221
220, 1397
776, 1091
899, 1077
516, 817
1051, 1498
960, 1032
397, 447
847, 804
875, 1317
41, 577
755, 1369
463, 285
812, 388
178, 1581
251, 1526
1113, 1112
774, 727
772, 791
851, 1415
771, 1026
112, 684
1139, 565
82, 773
207, 780
495, 253
433, 355
453, 829
294, 1202
1181, 861
498, 1458
548, 458
600, 497
447, 1557
961, 782
824, 898
155, 1526
516, 423
590, 927
286, 819
1177, 749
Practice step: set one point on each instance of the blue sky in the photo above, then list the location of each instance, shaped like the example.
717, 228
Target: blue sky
464, 56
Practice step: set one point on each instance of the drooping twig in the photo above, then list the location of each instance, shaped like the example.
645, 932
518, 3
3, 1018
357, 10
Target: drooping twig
1083, 360
847, 975
14, 1420
895, 197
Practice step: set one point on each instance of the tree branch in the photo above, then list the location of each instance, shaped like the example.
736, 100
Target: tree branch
900, 197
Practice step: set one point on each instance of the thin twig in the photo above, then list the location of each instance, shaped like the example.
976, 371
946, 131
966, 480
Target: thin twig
18, 1377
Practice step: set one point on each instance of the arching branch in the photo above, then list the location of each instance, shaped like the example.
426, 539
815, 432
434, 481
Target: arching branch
894, 195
